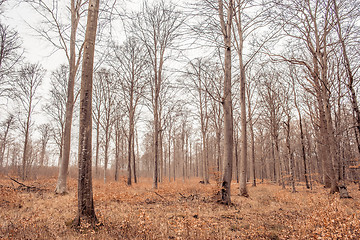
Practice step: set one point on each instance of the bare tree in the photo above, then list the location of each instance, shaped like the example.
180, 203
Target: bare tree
56, 106
106, 84
272, 116
129, 62
55, 31
26, 85
86, 211
310, 24
9, 55
157, 28
200, 73
346, 60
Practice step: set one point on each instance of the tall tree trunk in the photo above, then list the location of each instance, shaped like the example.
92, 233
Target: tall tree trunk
86, 209
243, 137
227, 103
63, 171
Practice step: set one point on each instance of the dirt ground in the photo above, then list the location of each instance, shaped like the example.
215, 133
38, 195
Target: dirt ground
178, 210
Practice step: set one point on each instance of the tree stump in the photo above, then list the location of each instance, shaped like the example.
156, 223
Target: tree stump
343, 191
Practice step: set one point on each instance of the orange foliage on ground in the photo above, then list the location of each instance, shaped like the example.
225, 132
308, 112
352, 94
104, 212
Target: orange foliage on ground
178, 210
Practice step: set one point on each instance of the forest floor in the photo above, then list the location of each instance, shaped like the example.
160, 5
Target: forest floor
178, 210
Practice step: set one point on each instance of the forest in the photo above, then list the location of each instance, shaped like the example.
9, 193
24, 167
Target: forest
160, 119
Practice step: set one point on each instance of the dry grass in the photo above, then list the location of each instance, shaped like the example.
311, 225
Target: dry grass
179, 211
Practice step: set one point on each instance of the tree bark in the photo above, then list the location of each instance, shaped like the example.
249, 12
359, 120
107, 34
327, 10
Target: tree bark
227, 103
86, 209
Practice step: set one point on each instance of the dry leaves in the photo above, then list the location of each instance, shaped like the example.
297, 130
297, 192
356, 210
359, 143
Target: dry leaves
180, 211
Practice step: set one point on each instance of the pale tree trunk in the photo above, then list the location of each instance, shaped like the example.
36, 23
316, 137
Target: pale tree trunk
86, 209
227, 103
73, 66
243, 151
243, 136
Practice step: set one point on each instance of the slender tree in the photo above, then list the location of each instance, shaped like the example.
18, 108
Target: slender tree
157, 28
129, 62
26, 86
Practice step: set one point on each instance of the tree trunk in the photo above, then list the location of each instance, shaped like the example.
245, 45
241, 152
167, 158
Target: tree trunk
156, 139
252, 163
243, 151
106, 155
227, 104
97, 145
86, 209
130, 138
117, 153
25, 149
133, 153
290, 155
63, 171
302, 141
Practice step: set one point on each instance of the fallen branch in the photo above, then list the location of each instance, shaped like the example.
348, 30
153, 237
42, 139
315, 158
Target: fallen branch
159, 195
26, 187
